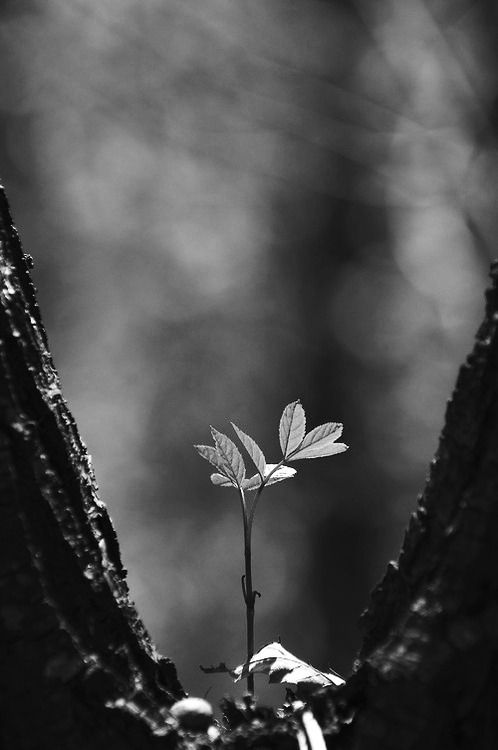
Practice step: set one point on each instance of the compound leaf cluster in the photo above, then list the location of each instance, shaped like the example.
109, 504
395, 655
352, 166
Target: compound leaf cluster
294, 442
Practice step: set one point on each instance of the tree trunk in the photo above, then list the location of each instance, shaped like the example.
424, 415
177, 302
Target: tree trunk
78, 669
427, 673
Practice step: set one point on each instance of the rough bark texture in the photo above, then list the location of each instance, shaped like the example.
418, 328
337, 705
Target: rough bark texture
428, 669
77, 669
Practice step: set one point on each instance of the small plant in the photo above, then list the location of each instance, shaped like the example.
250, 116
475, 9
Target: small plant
231, 472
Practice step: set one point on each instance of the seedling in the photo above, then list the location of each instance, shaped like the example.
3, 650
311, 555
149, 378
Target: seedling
231, 472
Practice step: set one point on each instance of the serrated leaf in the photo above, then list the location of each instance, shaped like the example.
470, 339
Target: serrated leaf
326, 448
230, 455
329, 430
292, 428
282, 666
253, 449
283, 472
213, 456
220, 480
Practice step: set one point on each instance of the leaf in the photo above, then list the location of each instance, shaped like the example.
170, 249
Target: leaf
327, 448
255, 452
282, 666
292, 428
230, 455
332, 430
220, 480
253, 483
213, 456
320, 442
284, 472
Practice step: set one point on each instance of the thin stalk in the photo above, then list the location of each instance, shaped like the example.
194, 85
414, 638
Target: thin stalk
247, 589
260, 490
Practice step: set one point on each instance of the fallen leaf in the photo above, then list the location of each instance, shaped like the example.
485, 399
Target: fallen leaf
282, 666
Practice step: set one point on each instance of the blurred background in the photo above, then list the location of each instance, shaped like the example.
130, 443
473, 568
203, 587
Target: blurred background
231, 206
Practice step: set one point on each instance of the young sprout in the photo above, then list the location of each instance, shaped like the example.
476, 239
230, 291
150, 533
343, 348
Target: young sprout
231, 472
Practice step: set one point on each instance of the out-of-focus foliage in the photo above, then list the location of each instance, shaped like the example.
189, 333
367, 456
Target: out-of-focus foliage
229, 205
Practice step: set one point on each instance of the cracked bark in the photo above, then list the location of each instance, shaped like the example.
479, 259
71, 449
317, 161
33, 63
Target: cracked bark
427, 671
77, 668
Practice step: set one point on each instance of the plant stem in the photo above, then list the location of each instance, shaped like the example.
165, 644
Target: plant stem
249, 594
247, 590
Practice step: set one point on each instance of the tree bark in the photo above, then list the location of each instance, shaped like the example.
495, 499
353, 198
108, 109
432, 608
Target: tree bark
427, 672
78, 669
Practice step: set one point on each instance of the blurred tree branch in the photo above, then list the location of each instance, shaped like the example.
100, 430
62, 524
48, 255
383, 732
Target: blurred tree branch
78, 668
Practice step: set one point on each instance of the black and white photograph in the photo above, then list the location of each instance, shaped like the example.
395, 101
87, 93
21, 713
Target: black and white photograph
248, 375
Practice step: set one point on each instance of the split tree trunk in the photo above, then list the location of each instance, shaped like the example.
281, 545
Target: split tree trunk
77, 668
